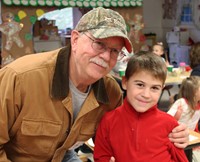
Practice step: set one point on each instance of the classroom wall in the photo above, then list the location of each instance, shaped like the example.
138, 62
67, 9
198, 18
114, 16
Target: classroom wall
152, 13
154, 22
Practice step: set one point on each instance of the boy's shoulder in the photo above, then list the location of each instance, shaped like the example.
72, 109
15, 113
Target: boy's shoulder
113, 114
167, 118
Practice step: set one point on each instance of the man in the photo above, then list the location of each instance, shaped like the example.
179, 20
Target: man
50, 103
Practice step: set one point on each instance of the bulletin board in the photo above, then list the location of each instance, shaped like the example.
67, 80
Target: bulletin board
17, 29
134, 20
24, 18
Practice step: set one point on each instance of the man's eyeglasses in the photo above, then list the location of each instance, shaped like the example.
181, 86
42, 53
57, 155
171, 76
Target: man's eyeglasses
101, 47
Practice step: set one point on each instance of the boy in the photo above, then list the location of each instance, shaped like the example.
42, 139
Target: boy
138, 130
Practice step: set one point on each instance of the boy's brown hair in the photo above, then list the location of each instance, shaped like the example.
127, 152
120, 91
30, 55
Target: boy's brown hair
149, 62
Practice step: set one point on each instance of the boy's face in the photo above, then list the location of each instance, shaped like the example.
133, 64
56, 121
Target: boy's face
143, 90
157, 49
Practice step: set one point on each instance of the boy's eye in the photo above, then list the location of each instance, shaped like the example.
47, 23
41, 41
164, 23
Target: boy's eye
140, 85
156, 88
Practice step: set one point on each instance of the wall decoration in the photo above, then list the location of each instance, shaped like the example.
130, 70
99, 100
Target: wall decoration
39, 12
11, 29
75, 3
22, 14
184, 10
28, 36
28, 50
196, 13
33, 2
25, 2
33, 19
16, 18
169, 7
6, 58
135, 26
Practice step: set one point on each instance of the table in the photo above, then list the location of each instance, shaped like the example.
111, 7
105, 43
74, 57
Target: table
194, 140
176, 79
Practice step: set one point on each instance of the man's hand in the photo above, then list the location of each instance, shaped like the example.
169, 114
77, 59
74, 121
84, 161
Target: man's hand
180, 136
112, 159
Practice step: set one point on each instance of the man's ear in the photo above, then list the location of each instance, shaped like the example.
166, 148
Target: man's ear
74, 38
124, 82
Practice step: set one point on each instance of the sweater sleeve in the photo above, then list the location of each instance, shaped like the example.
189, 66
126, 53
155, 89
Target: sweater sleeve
102, 149
9, 97
178, 155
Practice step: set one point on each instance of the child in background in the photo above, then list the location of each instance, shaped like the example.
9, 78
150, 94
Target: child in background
187, 108
158, 49
138, 130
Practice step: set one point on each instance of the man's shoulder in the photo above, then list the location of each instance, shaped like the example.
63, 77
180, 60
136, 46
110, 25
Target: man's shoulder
112, 85
166, 118
109, 79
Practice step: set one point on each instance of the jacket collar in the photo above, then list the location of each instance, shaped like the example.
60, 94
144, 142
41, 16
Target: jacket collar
60, 85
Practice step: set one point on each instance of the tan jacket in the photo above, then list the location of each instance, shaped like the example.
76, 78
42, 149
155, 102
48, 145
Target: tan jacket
36, 108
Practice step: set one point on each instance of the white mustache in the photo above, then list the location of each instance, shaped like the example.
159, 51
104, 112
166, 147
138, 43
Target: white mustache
99, 61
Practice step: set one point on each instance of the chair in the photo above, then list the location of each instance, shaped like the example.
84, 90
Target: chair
167, 88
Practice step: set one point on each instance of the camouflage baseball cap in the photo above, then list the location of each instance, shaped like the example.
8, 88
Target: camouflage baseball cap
104, 23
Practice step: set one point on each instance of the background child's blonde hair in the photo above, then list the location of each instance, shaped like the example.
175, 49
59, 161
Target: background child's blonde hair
188, 89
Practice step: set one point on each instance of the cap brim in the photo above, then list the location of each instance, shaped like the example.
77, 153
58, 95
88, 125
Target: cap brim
112, 32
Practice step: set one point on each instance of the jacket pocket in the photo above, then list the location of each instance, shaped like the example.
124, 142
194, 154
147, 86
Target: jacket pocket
40, 128
37, 137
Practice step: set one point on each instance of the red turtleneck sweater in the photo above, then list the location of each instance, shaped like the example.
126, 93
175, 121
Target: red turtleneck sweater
130, 136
